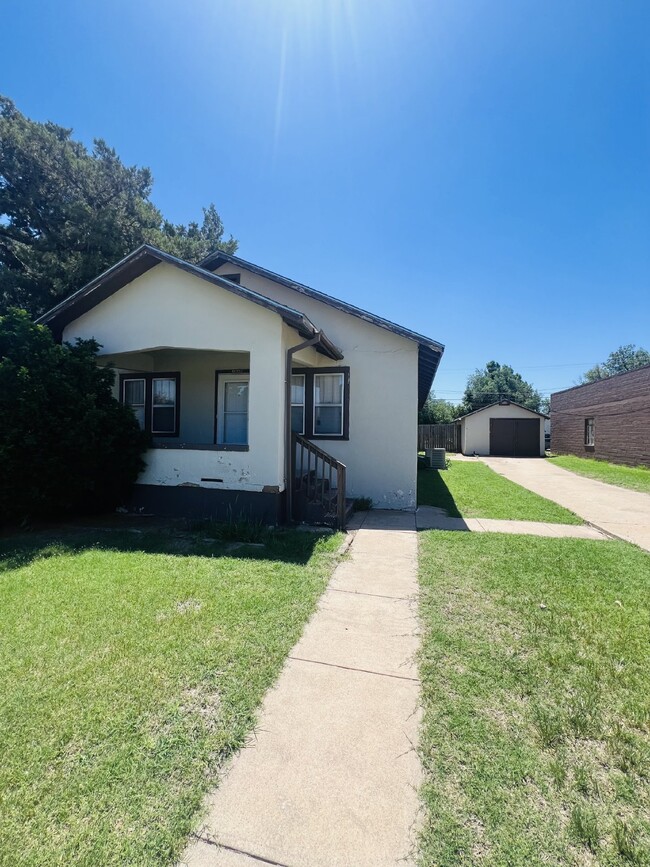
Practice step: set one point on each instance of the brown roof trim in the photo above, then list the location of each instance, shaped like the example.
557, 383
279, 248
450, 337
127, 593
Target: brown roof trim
218, 258
430, 351
142, 260
502, 403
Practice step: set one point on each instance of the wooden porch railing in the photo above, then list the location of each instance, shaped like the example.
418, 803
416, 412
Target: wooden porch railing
318, 485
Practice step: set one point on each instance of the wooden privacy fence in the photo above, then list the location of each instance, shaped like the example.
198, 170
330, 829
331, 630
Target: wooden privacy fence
439, 436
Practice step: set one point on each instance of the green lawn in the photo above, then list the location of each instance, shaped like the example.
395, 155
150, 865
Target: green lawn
535, 670
131, 666
635, 478
470, 489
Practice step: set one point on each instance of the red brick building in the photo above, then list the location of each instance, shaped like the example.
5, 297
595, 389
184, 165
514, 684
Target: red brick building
608, 419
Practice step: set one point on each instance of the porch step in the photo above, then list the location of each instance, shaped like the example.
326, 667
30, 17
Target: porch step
313, 511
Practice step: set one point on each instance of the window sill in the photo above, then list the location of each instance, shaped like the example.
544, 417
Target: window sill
332, 437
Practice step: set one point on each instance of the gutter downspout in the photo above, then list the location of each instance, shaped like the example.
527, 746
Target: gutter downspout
288, 481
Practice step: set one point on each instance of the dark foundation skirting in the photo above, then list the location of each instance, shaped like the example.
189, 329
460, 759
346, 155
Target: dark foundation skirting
210, 503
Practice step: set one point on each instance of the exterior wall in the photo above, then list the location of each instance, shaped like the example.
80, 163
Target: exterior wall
381, 453
475, 429
620, 407
169, 466
152, 321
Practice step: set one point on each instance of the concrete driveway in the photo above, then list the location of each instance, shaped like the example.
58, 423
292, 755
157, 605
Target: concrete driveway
623, 513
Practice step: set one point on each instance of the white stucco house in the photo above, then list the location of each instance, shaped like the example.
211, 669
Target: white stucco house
504, 429
264, 398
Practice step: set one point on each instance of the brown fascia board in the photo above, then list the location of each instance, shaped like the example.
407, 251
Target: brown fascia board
215, 260
429, 353
147, 257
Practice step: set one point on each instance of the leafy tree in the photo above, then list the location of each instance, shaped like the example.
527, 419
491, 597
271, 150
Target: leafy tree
67, 214
438, 411
621, 360
497, 382
66, 444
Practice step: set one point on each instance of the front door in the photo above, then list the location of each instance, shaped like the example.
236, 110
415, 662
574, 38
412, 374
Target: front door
232, 409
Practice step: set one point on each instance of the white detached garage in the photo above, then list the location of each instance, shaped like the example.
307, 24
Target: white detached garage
504, 429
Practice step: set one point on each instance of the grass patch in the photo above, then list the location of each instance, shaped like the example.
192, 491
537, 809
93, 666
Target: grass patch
535, 670
634, 478
470, 489
131, 666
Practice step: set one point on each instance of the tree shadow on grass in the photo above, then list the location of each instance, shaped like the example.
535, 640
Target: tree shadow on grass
172, 538
433, 491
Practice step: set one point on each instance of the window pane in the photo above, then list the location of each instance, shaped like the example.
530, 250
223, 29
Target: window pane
163, 419
328, 420
328, 388
235, 412
138, 412
134, 392
236, 397
235, 428
134, 397
297, 419
164, 392
298, 389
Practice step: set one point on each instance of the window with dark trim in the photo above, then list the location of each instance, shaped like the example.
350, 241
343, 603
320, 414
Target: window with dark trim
298, 403
590, 432
325, 408
155, 401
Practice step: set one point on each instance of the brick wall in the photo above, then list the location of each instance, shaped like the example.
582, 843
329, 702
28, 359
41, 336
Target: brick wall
620, 406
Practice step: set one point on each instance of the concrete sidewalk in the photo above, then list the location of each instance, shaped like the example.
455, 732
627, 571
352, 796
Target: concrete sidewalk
623, 513
432, 518
331, 778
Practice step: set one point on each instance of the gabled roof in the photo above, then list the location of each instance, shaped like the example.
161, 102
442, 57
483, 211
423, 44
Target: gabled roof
147, 257
502, 403
430, 351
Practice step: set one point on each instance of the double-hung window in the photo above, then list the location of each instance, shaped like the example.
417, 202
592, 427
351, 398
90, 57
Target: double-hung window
163, 405
328, 404
590, 432
133, 395
320, 400
298, 403
154, 399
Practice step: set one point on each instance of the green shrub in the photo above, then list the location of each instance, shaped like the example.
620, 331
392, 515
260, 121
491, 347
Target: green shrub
66, 445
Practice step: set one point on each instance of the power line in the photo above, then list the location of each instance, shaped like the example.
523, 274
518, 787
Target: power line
529, 366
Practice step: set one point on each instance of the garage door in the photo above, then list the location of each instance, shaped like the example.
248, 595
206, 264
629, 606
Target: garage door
514, 437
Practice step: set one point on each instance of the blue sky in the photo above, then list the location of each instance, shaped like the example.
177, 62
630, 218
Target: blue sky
478, 171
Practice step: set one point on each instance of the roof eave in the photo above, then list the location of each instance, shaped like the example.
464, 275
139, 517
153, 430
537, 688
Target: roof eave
215, 260
149, 256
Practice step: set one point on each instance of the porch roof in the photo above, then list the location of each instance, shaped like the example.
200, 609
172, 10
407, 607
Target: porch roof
147, 257
429, 351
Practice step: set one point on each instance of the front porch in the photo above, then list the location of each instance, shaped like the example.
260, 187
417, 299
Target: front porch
219, 436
